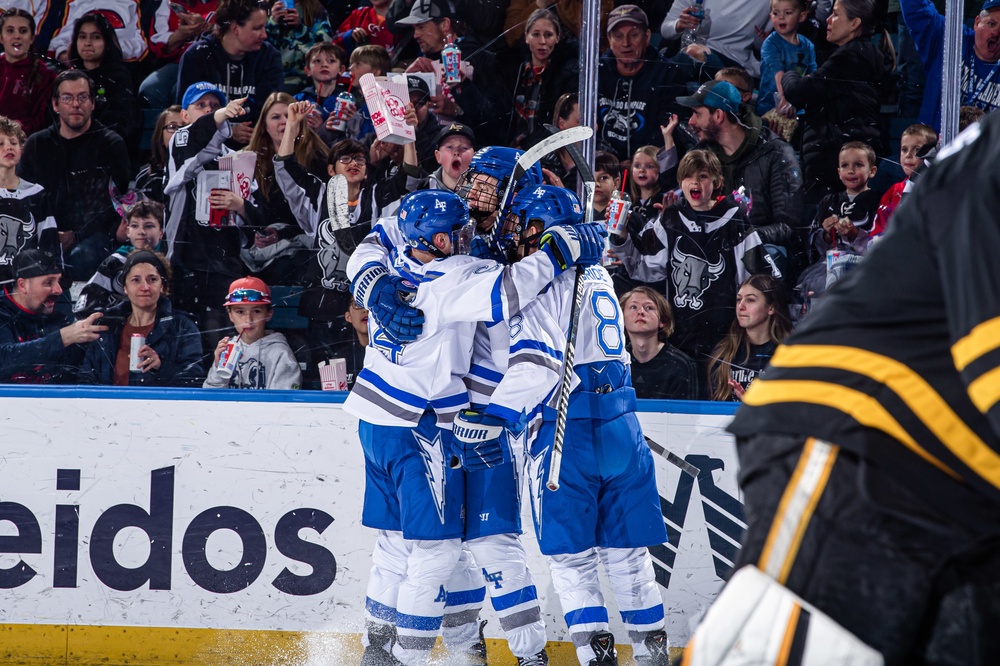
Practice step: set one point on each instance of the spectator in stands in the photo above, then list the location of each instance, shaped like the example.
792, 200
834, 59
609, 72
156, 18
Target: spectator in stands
353, 349
740, 79
482, 21
25, 81
293, 31
607, 181
369, 59
731, 30
841, 99
94, 49
236, 58
703, 248
558, 166
570, 13
143, 231
325, 63
172, 353
366, 25
761, 323
281, 245
172, 32
266, 361
845, 219
550, 69
428, 125
752, 157
123, 16
914, 141
25, 221
152, 177
980, 73
635, 89
74, 160
968, 115
456, 144
204, 259
479, 100
784, 50
659, 370
38, 346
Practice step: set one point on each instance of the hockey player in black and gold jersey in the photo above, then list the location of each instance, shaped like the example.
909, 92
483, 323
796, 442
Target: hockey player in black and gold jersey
870, 451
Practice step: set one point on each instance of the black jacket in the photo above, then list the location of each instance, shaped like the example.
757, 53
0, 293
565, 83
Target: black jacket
31, 349
562, 75
842, 100
174, 337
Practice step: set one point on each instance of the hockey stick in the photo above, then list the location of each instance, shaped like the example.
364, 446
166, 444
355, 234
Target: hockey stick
562, 404
673, 458
560, 139
340, 213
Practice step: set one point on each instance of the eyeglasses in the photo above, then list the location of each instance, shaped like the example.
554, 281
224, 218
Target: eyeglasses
357, 159
247, 296
171, 127
81, 99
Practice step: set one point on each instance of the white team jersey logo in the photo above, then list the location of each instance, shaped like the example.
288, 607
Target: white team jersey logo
432, 452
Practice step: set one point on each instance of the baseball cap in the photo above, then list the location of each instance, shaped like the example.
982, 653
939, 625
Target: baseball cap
633, 14
35, 263
455, 129
427, 10
416, 84
716, 95
248, 290
990, 4
198, 90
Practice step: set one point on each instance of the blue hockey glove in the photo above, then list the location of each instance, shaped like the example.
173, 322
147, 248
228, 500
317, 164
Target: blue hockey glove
573, 245
387, 297
481, 249
481, 439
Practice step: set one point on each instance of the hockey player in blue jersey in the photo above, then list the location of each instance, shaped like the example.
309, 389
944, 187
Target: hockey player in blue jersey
607, 507
406, 398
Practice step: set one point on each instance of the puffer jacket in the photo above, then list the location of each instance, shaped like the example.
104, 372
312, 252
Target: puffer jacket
174, 337
842, 100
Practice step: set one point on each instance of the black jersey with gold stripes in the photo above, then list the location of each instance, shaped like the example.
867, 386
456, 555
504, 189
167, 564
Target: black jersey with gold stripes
901, 363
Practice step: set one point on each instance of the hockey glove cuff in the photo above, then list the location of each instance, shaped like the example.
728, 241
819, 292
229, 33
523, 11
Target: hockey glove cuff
386, 297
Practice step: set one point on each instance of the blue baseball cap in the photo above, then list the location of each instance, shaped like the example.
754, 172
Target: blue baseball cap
717, 95
198, 90
990, 4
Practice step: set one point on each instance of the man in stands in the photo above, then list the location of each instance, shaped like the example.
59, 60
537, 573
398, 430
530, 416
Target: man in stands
37, 346
73, 160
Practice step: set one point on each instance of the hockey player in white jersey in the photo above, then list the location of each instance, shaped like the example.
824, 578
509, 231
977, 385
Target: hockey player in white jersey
406, 398
607, 507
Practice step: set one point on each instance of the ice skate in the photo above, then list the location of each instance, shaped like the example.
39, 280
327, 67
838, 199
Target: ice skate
659, 650
603, 645
477, 653
381, 638
540, 659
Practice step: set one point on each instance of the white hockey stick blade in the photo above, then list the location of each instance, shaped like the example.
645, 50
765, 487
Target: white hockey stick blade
547, 145
673, 458
339, 210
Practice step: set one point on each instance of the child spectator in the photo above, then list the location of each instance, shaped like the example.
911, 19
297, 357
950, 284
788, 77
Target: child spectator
266, 360
293, 31
367, 59
845, 219
761, 323
659, 370
911, 145
784, 50
172, 32
25, 81
456, 144
144, 231
94, 48
25, 222
968, 115
324, 65
704, 248
607, 180
152, 176
366, 25
352, 349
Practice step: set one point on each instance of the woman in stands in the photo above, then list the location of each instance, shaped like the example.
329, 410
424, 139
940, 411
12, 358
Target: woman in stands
762, 322
152, 177
94, 48
841, 99
25, 81
171, 353
550, 68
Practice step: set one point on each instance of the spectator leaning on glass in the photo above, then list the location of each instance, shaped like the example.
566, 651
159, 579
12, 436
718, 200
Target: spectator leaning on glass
73, 160
38, 346
171, 353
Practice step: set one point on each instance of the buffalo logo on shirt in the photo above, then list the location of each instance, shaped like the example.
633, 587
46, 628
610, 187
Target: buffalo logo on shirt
691, 276
13, 234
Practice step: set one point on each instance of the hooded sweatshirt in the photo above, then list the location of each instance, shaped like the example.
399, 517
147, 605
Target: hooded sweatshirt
26, 91
267, 363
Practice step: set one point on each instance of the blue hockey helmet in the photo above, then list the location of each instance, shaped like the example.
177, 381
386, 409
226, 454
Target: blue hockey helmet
547, 204
425, 213
497, 163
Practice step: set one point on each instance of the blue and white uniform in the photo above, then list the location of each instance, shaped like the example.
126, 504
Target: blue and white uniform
607, 506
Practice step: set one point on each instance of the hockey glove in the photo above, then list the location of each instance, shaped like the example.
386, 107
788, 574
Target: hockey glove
386, 297
481, 439
573, 245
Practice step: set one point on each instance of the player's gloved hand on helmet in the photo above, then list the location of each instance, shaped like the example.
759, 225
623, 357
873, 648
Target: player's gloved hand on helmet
573, 245
481, 248
387, 297
480, 440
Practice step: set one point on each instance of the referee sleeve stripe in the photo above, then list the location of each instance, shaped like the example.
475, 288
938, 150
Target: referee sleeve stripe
985, 390
981, 340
